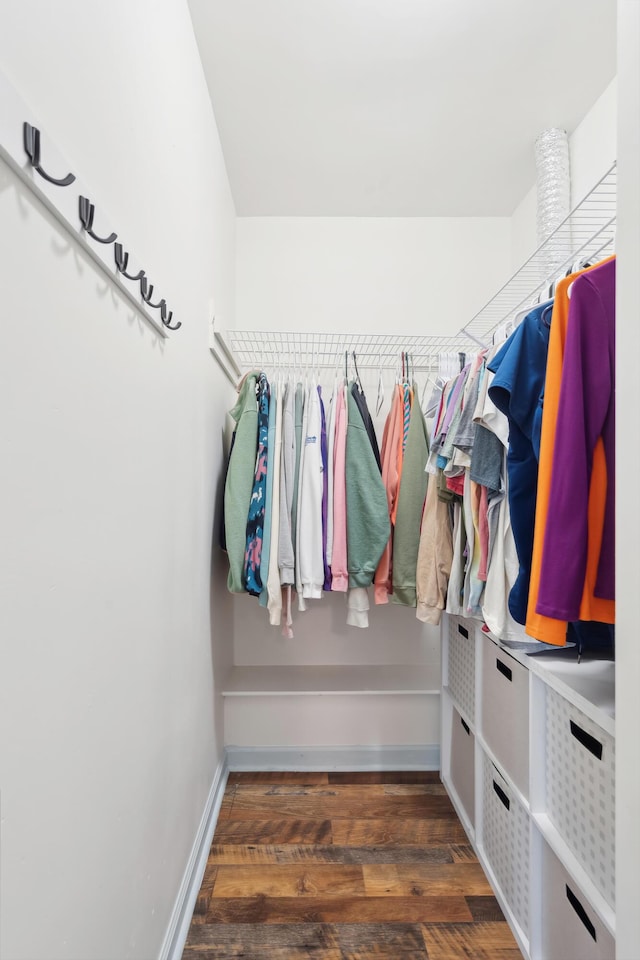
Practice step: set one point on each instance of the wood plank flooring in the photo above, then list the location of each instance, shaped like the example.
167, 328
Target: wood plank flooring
339, 866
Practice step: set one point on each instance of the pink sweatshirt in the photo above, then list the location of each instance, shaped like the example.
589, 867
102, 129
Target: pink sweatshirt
391, 462
339, 569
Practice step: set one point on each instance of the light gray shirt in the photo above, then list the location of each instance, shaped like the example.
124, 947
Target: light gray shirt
286, 557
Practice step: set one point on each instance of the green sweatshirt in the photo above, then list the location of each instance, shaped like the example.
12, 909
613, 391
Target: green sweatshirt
239, 485
413, 490
368, 526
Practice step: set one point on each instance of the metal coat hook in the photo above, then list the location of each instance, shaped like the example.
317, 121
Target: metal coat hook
146, 292
87, 211
122, 262
31, 137
167, 317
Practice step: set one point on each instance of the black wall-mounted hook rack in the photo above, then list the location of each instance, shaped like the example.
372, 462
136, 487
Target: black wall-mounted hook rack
23, 152
122, 262
31, 136
87, 212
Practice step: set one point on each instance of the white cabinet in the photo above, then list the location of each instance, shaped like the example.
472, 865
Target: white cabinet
571, 927
504, 711
504, 841
459, 665
579, 788
463, 770
528, 758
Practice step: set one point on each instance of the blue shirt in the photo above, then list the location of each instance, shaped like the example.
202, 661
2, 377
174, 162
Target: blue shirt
517, 390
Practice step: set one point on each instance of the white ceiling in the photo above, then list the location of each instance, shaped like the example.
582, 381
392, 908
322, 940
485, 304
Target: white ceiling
396, 107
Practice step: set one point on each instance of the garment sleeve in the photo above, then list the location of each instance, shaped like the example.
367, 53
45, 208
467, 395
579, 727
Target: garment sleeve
435, 555
310, 504
368, 526
339, 570
286, 557
585, 394
331, 437
274, 593
392, 439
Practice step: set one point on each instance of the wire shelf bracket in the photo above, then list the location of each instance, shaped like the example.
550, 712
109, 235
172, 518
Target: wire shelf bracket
587, 234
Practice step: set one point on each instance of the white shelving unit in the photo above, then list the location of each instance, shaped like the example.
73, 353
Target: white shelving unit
528, 742
528, 758
312, 716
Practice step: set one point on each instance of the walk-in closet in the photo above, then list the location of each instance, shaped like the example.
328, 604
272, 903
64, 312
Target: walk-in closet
319, 571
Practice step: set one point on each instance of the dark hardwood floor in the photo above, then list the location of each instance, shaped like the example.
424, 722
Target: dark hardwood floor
338, 866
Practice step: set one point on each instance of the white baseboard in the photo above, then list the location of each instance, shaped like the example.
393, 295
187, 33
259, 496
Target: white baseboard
178, 928
357, 758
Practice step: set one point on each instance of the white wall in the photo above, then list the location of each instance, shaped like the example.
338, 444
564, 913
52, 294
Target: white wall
593, 146
111, 634
335, 721
323, 637
367, 274
592, 150
628, 525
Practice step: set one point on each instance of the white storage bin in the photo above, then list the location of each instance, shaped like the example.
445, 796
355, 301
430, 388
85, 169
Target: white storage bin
463, 763
580, 793
461, 665
505, 712
571, 928
505, 841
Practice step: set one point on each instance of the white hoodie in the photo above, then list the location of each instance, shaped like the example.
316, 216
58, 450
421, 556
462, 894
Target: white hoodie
309, 554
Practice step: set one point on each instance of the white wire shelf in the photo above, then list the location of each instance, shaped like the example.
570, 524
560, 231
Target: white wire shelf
586, 235
272, 349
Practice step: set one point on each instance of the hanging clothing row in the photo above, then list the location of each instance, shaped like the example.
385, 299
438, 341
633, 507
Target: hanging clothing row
506, 516
312, 505
523, 448
555, 380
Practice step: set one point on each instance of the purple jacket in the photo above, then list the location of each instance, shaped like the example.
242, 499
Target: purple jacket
586, 412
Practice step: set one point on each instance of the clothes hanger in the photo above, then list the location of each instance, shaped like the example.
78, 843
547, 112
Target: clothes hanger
424, 390
439, 381
355, 366
380, 395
